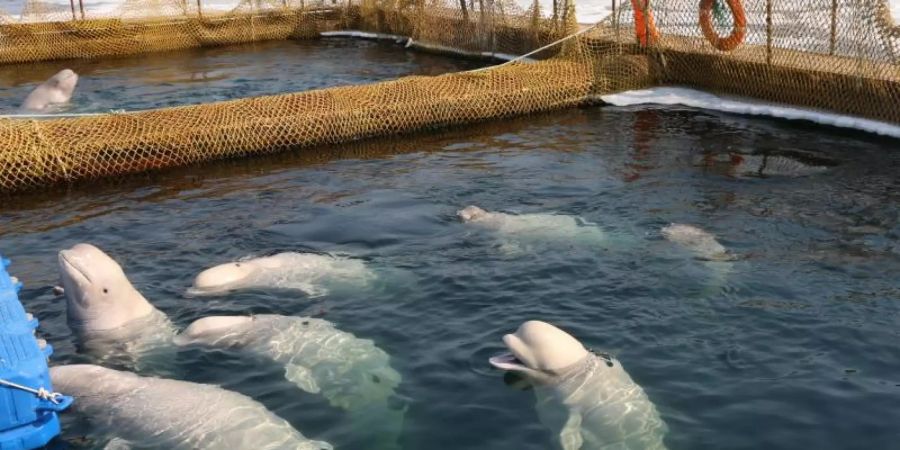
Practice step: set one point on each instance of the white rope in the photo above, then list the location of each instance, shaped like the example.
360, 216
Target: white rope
533, 52
41, 393
63, 115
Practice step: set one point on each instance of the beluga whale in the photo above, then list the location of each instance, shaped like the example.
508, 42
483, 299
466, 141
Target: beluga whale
350, 373
57, 90
587, 399
518, 230
149, 412
704, 246
701, 243
109, 316
310, 273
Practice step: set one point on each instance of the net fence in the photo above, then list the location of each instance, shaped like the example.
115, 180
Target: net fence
839, 55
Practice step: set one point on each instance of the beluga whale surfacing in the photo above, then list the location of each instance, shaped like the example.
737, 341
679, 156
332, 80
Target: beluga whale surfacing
518, 231
587, 399
109, 316
704, 246
311, 273
57, 90
148, 412
351, 373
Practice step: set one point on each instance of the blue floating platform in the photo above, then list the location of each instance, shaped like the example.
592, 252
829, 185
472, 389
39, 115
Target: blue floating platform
28, 405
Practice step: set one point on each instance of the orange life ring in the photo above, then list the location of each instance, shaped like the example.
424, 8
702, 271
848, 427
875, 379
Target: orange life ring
641, 26
737, 33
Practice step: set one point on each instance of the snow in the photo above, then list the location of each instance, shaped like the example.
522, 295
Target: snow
697, 99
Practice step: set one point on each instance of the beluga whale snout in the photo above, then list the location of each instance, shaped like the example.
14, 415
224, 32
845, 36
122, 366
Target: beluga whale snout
586, 398
56, 90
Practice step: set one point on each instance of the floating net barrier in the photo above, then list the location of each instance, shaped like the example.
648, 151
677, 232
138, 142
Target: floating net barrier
837, 55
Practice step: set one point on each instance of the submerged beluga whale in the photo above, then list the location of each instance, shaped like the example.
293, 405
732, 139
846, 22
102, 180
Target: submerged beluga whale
518, 230
55, 91
351, 373
588, 400
147, 412
307, 272
109, 316
705, 247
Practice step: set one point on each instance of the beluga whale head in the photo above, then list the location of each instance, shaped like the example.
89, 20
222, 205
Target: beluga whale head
65, 80
215, 330
540, 352
470, 213
56, 90
99, 296
225, 277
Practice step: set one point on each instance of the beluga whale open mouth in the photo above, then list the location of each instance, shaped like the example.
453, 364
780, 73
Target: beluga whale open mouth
540, 351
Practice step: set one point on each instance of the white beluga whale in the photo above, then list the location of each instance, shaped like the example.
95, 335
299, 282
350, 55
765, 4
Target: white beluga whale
705, 247
308, 272
586, 399
148, 412
104, 309
698, 241
351, 373
56, 91
520, 229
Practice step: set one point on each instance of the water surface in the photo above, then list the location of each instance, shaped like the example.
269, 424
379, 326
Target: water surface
205, 75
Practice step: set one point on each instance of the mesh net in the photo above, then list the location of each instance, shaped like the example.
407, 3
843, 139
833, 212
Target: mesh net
830, 54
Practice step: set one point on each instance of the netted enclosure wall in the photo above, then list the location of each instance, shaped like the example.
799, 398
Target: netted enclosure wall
838, 55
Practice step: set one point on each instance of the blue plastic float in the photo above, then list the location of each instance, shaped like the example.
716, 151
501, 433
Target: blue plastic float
28, 405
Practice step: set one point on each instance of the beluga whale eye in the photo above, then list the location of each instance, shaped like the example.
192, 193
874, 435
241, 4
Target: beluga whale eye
105, 291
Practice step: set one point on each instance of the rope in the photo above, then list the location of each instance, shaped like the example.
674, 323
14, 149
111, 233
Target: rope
62, 115
533, 52
43, 394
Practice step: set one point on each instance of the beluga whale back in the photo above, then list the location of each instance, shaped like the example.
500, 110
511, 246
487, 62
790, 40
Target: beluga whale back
522, 229
351, 373
587, 399
147, 412
104, 309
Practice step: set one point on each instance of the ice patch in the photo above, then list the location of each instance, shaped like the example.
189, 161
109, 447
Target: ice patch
703, 100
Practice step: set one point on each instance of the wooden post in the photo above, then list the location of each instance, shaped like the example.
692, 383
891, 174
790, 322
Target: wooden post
462, 4
615, 16
81, 6
834, 7
199, 9
72, 4
768, 31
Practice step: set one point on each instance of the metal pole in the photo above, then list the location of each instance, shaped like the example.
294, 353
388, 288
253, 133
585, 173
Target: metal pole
81, 6
769, 32
199, 9
834, 7
72, 4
